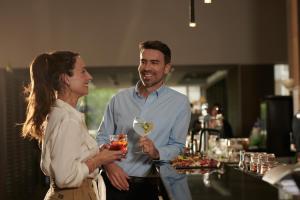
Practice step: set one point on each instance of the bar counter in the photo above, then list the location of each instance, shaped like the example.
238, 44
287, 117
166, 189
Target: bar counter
226, 182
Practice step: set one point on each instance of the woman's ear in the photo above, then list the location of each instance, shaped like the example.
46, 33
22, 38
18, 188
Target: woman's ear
64, 79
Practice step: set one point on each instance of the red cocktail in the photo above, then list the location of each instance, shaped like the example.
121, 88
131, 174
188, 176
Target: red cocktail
119, 142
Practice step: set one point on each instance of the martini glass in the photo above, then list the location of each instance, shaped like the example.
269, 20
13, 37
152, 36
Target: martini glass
142, 128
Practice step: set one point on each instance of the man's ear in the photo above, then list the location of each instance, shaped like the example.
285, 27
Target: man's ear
167, 68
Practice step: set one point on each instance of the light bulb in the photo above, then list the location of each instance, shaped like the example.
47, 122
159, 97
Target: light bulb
192, 24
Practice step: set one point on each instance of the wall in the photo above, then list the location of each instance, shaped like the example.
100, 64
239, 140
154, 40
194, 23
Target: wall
256, 83
240, 93
107, 32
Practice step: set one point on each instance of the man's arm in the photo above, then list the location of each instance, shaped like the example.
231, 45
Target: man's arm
107, 125
116, 174
177, 137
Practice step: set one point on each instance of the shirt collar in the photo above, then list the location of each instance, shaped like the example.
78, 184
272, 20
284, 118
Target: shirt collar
62, 104
157, 92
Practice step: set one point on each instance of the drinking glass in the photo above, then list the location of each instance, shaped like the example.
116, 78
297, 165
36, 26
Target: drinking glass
142, 128
119, 142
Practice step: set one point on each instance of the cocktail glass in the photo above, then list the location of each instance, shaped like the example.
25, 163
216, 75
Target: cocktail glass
142, 128
119, 142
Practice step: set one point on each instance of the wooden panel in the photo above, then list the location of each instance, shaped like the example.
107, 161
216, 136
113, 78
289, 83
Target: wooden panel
20, 158
2, 131
257, 81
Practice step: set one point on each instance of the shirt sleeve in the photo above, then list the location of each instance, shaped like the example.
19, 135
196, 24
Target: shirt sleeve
178, 134
66, 164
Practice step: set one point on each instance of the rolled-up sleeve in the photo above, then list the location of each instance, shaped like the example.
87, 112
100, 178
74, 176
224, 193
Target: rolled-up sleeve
178, 134
107, 124
67, 167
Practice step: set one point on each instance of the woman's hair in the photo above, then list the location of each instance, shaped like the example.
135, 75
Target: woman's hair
45, 81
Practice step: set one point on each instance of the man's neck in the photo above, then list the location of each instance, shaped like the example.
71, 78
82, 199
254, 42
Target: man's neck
145, 91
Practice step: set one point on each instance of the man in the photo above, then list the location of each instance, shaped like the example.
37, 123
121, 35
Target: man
152, 101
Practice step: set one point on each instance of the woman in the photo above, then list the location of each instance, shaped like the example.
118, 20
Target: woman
70, 156
218, 121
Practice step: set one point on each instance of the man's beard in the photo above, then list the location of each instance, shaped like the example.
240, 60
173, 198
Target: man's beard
149, 84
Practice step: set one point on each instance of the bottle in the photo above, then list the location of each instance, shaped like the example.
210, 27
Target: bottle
257, 136
242, 160
247, 160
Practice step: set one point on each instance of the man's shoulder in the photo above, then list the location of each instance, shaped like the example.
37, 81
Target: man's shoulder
175, 93
125, 91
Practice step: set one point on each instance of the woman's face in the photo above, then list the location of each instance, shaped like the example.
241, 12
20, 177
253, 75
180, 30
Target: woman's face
79, 81
215, 111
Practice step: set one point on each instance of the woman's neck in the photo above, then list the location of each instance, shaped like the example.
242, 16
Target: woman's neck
68, 99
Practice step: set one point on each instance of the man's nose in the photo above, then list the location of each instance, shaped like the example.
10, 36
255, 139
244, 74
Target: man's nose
147, 65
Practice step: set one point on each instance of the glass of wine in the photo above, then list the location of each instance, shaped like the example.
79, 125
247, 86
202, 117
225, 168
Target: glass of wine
119, 142
142, 127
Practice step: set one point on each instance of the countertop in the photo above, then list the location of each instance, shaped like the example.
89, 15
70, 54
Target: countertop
226, 182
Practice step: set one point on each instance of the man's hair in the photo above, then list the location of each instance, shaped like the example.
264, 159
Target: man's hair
157, 45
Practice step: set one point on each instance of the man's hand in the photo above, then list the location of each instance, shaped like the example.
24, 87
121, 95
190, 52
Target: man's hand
149, 147
117, 176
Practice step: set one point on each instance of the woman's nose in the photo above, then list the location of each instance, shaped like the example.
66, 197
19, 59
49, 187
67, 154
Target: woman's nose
90, 77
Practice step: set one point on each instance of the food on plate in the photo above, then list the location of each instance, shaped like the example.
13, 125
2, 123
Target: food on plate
194, 161
194, 171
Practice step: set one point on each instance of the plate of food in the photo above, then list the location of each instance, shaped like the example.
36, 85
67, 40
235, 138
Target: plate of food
194, 162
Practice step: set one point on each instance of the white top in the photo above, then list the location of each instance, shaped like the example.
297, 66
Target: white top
67, 144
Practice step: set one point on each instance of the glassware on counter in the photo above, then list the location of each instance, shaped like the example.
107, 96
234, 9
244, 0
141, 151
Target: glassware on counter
262, 158
264, 167
247, 159
242, 160
257, 162
253, 162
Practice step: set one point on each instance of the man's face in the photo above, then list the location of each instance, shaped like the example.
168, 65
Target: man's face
152, 68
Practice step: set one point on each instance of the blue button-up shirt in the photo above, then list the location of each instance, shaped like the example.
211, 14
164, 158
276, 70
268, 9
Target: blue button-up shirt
170, 113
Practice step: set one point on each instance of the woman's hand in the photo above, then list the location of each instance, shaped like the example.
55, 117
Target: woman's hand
105, 156
103, 146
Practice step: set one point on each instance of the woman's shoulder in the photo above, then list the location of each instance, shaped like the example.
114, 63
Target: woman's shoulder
62, 114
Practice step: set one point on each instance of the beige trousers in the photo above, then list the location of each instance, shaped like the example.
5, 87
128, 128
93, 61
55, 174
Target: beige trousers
84, 192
